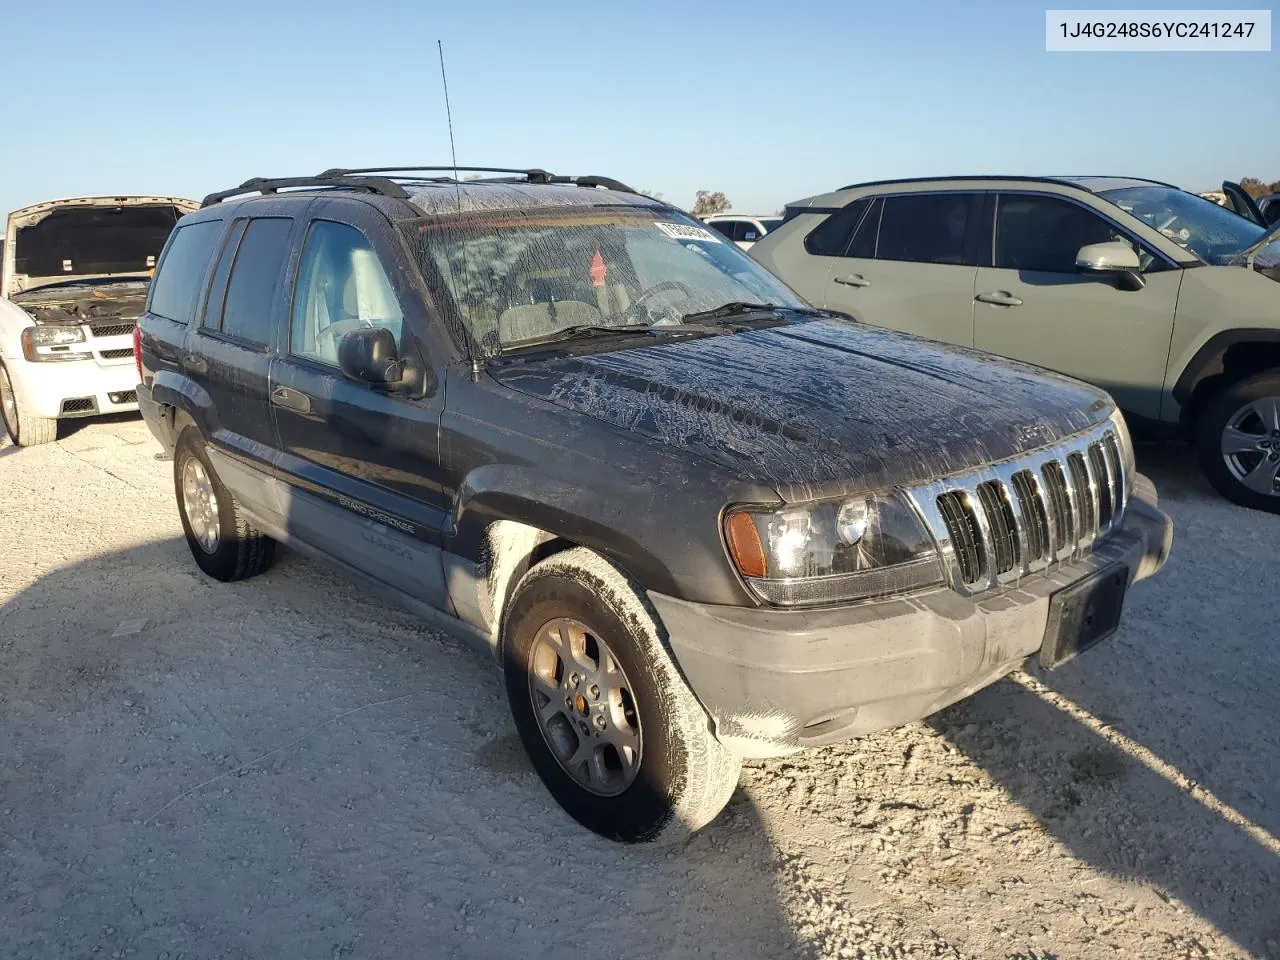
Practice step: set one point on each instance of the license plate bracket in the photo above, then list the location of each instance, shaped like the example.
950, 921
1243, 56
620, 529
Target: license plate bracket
1084, 614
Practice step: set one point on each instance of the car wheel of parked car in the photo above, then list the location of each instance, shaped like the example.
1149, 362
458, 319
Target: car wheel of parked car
224, 543
23, 430
1239, 442
609, 723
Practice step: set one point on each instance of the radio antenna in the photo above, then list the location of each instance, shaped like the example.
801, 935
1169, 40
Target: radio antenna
457, 192
453, 150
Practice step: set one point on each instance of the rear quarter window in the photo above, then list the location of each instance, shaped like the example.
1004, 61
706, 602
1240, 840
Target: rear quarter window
178, 279
831, 237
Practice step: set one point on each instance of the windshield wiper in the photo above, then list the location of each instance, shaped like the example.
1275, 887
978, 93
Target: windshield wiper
582, 330
739, 308
735, 308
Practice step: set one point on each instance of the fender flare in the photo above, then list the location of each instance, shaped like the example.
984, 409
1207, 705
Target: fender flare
1207, 361
505, 492
190, 402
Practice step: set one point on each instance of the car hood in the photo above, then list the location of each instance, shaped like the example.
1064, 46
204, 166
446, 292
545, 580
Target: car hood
823, 407
86, 237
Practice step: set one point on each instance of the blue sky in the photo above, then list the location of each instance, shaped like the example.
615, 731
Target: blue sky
765, 101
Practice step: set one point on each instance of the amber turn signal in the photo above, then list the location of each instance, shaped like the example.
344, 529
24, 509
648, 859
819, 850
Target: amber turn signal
744, 545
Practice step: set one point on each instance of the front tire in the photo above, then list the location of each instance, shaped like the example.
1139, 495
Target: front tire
23, 430
223, 542
1238, 442
610, 725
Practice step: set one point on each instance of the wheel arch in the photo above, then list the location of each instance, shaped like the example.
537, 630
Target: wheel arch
1224, 359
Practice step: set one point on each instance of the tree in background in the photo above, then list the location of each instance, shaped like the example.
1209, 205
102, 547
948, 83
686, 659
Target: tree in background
1255, 187
705, 203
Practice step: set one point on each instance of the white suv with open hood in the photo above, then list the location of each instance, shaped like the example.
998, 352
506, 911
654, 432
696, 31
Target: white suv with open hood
73, 282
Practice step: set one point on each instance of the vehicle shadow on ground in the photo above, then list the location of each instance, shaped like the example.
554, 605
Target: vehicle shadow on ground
285, 768
1178, 681
70, 427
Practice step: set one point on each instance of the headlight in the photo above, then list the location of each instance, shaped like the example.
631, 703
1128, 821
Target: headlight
50, 342
832, 551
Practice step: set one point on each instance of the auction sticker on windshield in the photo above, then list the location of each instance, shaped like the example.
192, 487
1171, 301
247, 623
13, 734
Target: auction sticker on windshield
681, 231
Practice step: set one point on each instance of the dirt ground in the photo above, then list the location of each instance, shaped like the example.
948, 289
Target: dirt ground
284, 768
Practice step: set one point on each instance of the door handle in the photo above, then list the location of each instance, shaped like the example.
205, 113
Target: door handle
1002, 298
291, 400
854, 280
195, 363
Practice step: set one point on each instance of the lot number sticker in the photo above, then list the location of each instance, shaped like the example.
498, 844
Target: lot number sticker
680, 231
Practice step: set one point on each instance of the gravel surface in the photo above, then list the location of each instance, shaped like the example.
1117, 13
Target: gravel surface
285, 768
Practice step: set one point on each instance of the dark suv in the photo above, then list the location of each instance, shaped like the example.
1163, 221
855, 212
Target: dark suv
695, 519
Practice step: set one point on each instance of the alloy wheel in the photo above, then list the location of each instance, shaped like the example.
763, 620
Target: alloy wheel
584, 707
1251, 446
200, 504
8, 403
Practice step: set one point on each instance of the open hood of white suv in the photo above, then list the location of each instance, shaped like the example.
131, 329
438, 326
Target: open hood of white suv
86, 237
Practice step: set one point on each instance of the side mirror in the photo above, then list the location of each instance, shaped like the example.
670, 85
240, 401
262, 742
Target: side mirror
370, 356
1114, 258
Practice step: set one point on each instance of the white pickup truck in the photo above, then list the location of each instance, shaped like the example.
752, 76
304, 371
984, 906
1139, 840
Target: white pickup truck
73, 281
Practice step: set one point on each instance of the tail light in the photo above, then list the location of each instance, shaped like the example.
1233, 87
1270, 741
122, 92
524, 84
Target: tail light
137, 349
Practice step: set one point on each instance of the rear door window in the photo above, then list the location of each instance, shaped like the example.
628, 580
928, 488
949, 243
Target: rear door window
247, 312
924, 227
178, 280
725, 227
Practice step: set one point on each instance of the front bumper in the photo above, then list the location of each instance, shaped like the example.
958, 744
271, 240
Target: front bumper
775, 681
75, 388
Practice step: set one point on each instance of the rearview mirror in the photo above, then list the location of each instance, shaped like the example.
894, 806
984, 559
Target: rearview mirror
370, 356
1116, 258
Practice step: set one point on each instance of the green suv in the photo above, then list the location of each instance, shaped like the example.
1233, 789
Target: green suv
1168, 301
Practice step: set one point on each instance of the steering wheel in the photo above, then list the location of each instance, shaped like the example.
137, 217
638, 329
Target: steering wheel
337, 330
656, 289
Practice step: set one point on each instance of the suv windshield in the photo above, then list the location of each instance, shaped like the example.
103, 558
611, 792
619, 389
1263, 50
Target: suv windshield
1213, 233
523, 276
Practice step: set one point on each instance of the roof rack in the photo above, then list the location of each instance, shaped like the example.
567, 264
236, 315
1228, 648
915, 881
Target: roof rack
534, 175
263, 185
385, 180
1063, 180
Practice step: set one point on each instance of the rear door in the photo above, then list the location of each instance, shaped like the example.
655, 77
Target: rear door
910, 265
361, 462
1033, 304
229, 355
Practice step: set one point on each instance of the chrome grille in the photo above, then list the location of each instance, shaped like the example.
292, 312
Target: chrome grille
1004, 521
966, 539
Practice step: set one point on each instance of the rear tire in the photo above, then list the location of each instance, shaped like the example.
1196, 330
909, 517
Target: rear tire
23, 430
1238, 442
681, 776
223, 542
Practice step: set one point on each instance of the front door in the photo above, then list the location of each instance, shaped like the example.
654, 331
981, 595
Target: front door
909, 266
362, 463
1034, 305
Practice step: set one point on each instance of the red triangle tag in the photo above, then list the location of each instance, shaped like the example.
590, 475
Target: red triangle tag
598, 270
